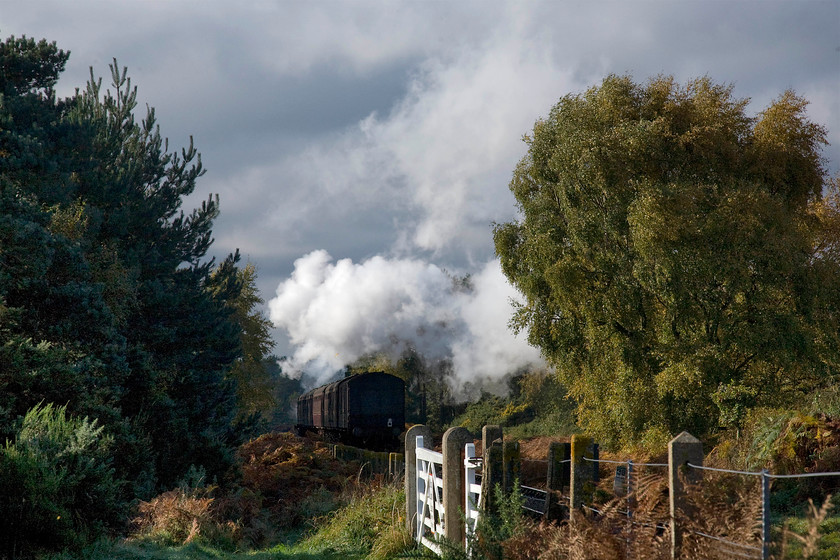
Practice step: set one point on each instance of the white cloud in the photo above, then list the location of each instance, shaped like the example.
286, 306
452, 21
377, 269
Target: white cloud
338, 311
487, 348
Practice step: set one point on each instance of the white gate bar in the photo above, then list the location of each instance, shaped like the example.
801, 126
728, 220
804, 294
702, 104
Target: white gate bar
430, 510
472, 491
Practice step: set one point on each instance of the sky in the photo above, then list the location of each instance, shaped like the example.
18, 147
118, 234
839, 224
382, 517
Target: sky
362, 150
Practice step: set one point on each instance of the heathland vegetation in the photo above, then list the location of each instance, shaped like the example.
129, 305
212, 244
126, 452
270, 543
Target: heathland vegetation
679, 260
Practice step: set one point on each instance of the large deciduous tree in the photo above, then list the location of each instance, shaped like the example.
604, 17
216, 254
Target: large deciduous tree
678, 257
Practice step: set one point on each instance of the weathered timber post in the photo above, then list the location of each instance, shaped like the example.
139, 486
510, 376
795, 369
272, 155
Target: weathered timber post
489, 434
581, 473
411, 471
492, 475
683, 449
512, 461
492, 472
454, 440
556, 478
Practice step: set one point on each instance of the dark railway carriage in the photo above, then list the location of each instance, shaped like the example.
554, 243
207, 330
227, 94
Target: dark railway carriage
367, 409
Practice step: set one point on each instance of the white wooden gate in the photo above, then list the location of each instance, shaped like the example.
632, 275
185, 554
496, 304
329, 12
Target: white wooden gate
431, 515
430, 512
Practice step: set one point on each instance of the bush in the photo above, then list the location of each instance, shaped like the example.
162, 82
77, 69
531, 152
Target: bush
182, 516
538, 405
57, 488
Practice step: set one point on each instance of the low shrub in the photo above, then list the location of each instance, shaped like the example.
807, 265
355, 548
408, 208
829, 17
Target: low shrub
182, 516
57, 488
371, 525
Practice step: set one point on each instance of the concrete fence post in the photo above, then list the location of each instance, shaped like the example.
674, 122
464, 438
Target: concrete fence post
683, 449
556, 478
411, 471
580, 472
454, 440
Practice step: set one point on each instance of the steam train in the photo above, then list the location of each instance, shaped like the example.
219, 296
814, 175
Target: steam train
366, 409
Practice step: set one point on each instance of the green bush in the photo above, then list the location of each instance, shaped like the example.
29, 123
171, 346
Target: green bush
57, 488
371, 525
538, 405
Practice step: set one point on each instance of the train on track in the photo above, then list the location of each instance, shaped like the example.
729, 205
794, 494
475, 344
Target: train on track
367, 409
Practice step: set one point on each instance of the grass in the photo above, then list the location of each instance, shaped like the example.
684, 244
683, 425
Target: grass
320, 510
370, 527
108, 550
814, 534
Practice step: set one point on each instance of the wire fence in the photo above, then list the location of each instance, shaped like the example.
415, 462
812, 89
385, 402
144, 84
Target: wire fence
757, 545
638, 524
694, 510
765, 478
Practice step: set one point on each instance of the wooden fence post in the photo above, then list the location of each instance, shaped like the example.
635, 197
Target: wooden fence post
411, 471
512, 460
454, 440
683, 449
556, 478
492, 475
580, 473
489, 434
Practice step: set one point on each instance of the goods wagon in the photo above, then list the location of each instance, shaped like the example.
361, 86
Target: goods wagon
366, 409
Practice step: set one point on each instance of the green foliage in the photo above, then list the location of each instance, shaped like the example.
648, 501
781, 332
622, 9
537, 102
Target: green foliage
496, 527
107, 303
29, 66
370, 526
813, 535
57, 486
486, 410
252, 373
493, 530
678, 259
537, 405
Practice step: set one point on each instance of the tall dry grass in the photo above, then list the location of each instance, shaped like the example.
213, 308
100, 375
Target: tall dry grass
183, 516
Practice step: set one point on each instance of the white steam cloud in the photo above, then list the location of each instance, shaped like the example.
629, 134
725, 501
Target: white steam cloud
336, 312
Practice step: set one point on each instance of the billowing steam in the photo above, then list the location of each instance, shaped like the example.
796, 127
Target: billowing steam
336, 312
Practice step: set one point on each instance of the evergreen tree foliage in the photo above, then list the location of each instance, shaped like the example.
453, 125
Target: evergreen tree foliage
677, 256
108, 306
